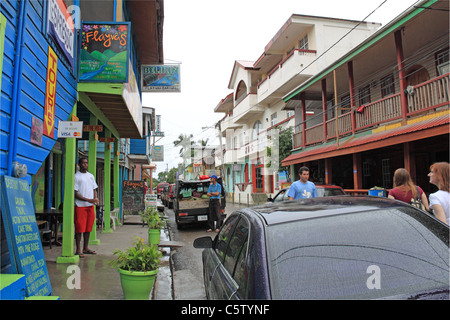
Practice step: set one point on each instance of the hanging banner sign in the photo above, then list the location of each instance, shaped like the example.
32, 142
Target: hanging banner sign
70, 129
22, 235
91, 128
104, 52
50, 94
60, 28
160, 78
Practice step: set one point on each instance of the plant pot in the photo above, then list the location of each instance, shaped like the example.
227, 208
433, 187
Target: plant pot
154, 236
137, 285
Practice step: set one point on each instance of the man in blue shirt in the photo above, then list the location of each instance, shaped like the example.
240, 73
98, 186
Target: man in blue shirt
302, 189
215, 211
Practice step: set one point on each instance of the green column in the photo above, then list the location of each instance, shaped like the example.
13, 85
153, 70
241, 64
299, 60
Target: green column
92, 168
58, 178
67, 254
107, 184
116, 174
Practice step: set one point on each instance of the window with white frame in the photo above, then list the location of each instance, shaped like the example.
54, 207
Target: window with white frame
273, 119
303, 43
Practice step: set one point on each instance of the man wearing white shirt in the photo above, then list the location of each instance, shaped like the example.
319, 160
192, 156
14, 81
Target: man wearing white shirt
85, 199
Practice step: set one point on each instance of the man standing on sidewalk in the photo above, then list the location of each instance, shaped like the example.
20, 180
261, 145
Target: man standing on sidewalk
302, 189
85, 199
215, 211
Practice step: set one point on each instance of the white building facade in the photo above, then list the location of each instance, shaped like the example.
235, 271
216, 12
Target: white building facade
256, 114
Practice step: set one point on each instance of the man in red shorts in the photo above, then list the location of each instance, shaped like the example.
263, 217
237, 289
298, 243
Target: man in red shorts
85, 199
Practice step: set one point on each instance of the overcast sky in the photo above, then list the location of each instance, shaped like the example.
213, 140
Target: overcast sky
207, 36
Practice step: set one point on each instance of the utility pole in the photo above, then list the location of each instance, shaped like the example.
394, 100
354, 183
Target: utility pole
221, 152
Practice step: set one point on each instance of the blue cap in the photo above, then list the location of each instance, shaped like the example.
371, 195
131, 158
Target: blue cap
213, 176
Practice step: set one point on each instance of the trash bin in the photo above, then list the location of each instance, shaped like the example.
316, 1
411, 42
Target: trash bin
377, 192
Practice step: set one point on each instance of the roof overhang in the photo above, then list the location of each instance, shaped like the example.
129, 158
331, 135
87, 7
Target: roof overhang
115, 106
139, 158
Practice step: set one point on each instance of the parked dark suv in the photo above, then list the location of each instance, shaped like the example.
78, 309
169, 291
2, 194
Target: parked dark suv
339, 247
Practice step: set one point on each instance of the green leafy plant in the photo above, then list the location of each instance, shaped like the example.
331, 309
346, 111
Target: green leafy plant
152, 218
140, 257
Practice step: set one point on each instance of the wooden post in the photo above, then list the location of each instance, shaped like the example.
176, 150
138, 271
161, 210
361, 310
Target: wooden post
303, 118
401, 74
352, 95
324, 109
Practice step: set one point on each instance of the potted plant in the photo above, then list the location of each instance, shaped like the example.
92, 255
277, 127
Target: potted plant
138, 266
154, 223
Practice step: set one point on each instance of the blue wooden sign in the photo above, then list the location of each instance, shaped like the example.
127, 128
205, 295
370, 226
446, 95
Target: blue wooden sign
22, 235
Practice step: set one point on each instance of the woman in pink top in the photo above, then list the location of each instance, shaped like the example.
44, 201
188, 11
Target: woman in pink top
404, 189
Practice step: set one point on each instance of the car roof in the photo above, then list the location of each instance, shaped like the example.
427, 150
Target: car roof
301, 209
327, 186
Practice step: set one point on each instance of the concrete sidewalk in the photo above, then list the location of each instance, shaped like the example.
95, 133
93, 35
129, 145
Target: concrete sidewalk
99, 281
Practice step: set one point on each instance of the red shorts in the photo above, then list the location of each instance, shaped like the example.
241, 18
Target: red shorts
84, 219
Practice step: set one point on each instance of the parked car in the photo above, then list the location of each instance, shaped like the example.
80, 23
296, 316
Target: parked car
167, 195
322, 191
340, 247
191, 203
160, 188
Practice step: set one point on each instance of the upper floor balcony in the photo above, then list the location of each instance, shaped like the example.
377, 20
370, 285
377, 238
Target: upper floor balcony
228, 123
424, 97
246, 109
287, 74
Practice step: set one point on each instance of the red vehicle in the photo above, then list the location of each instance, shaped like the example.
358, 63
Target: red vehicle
167, 195
160, 188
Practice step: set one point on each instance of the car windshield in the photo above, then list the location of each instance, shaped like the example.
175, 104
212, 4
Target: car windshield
367, 255
328, 192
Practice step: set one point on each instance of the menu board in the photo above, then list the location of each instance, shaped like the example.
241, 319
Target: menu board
22, 235
104, 52
133, 193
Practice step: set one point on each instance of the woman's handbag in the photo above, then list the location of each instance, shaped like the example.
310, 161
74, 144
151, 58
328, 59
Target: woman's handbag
417, 202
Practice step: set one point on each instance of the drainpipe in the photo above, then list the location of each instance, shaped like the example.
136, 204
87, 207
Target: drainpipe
17, 85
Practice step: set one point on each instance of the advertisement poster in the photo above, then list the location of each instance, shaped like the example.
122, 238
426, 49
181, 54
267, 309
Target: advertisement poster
104, 52
161, 78
60, 28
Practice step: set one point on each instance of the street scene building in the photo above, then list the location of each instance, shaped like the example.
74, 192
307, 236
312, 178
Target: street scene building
255, 113
383, 105
70, 62
374, 101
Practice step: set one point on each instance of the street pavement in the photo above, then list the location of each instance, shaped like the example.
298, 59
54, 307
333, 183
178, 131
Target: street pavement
99, 281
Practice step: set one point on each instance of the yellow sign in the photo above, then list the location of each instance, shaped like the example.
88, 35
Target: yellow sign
50, 94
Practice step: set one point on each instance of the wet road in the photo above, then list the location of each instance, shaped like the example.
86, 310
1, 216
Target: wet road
187, 260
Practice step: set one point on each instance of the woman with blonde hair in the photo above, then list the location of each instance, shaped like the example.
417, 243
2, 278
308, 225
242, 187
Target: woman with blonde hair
405, 190
440, 200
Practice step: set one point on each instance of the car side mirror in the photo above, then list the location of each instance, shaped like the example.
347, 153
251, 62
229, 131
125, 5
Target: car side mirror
270, 199
203, 243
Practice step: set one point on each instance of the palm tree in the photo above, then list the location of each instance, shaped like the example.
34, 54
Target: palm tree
183, 141
203, 143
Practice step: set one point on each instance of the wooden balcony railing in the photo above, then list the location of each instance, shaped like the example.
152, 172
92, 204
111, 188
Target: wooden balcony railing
431, 94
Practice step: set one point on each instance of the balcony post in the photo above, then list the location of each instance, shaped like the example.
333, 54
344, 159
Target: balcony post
324, 108
303, 118
401, 73
352, 94
357, 171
